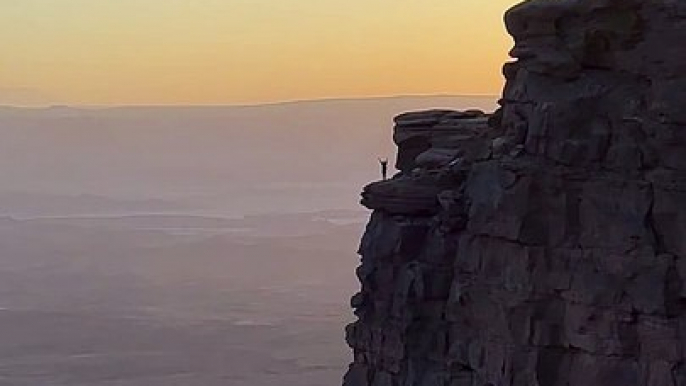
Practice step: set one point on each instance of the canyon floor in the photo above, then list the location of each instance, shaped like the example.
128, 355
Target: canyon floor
176, 300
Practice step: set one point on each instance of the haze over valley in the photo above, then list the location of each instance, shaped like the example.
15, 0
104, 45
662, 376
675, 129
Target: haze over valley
189, 246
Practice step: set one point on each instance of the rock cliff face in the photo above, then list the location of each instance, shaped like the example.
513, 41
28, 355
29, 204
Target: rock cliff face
543, 245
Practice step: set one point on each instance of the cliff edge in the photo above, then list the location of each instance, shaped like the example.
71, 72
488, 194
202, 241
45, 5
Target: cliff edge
544, 244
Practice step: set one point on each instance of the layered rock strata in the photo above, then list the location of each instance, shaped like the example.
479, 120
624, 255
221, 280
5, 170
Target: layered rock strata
544, 245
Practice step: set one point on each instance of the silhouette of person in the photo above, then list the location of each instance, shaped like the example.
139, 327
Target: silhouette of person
384, 167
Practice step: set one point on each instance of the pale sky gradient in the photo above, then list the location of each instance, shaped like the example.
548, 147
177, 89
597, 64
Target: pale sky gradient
129, 52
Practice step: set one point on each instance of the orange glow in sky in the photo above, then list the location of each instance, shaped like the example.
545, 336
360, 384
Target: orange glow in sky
129, 52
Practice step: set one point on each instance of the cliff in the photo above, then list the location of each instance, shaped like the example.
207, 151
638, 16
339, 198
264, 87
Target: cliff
543, 245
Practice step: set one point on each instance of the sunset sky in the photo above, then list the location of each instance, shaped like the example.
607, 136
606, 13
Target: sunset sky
152, 52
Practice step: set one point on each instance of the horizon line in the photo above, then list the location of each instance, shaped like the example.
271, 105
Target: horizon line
243, 105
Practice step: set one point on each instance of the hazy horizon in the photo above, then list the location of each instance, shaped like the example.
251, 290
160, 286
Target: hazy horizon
493, 97
204, 158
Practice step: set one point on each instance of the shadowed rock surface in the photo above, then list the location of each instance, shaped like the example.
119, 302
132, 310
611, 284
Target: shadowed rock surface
542, 245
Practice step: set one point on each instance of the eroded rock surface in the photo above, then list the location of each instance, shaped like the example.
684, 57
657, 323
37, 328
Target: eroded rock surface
544, 245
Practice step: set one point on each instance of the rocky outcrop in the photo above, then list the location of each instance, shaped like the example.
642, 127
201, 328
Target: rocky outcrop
433, 138
542, 245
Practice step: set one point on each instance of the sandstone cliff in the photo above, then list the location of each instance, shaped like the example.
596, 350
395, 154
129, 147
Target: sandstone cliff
543, 245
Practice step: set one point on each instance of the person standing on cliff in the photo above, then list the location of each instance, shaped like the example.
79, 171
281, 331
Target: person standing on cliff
384, 167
